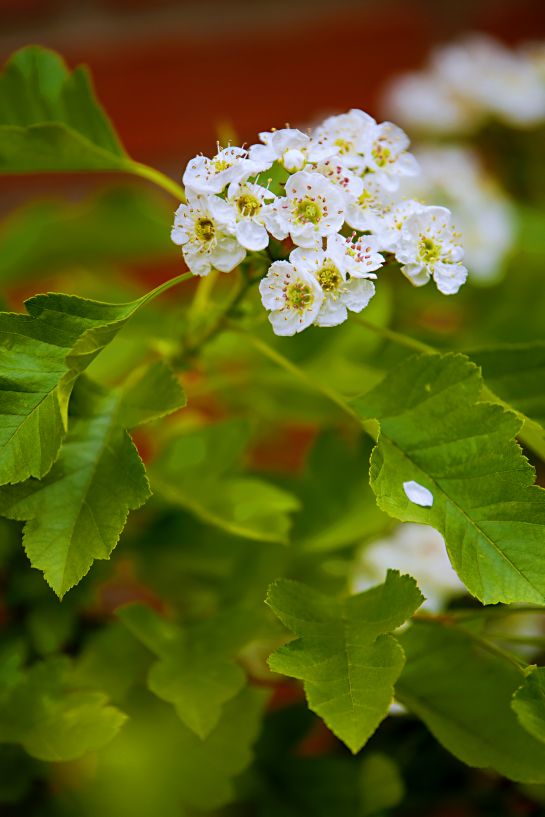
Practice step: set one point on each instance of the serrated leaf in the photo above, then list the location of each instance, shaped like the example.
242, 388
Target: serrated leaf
53, 719
77, 512
435, 432
462, 691
200, 470
50, 119
345, 654
529, 703
41, 356
195, 670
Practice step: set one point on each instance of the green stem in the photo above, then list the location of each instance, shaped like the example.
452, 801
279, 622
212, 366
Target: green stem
395, 337
272, 354
495, 612
159, 179
154, 293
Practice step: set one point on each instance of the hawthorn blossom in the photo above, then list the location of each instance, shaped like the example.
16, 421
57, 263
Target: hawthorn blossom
248, 201
204, 175
329, 268
388, 228
367, 211
415, 549
204, 228
292, 148
423, 101
387, 155
335, 171
351, 134
428, 247
454, 177
312, 209
358, 255
293, 296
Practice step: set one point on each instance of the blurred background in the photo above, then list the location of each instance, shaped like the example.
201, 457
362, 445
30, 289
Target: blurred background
170, 74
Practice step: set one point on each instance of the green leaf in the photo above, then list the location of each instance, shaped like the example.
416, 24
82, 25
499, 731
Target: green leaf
51, 236
52, 719
462, 690
195, 670
50, 119
157, 765
78, 511
338, 507
43, 354
381, 785
435, 432
200, 471
529, 703
516, 374
344, 652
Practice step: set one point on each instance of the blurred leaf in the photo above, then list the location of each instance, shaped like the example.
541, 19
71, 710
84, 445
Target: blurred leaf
44, 353
195, 670
52, 719
158, 766
436, 433
381, 786
338, 506
344, 652
200, 470
529, 703
50, 119
118, 224
77, 512
462, 690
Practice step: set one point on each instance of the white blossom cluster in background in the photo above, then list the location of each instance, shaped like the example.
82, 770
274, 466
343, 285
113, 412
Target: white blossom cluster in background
418, 550
342, 207
453, 176
469, 82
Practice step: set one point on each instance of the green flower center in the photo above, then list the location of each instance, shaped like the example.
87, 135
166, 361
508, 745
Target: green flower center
344, 146
221, 164
430, 251
381, 155
205, 230
307, 211
365, 199
248, 205
299, 296
329, 277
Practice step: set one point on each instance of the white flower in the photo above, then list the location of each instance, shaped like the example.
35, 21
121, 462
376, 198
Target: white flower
418, 550
428, 247
388, 157
293, 296
454, 177
388, 228
312, 208
358, 255
204, 227
329, 268
335, 171
367, 211
248, 201
204, 175
350, 133
290, 147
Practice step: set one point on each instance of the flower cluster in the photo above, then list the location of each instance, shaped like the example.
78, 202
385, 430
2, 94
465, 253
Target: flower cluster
453, 176
468, 82
339, 208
